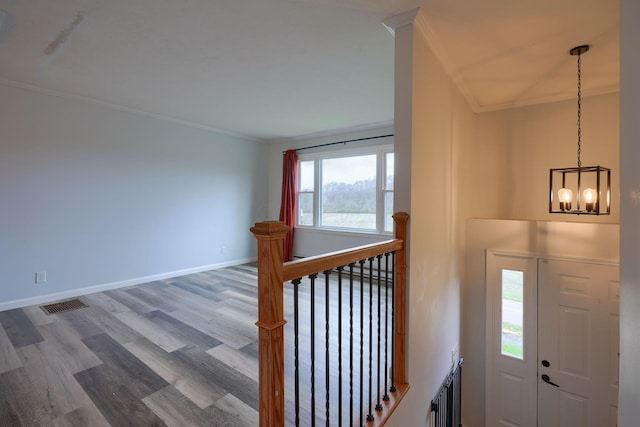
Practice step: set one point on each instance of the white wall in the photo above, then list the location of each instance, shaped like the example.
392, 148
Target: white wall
434, 128
629, 409
97, 196
307, 241
514, 150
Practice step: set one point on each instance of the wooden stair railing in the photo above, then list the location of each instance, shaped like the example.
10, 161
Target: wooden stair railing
273, 273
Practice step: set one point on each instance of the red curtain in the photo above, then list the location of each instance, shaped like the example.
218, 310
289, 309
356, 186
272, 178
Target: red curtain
288, 199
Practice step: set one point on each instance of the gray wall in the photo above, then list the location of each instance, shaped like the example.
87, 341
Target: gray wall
98, 196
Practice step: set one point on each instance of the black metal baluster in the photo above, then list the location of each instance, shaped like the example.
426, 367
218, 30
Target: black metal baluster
393, 325
296, 359
459, 396
313, 350
449, 411
361, 262
454, 402
370, 413
351, 266
326, 342
378, 404
386, 324
340, 345
446, 406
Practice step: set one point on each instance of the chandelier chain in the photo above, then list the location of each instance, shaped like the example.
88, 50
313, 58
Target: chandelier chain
583, 189
579, 108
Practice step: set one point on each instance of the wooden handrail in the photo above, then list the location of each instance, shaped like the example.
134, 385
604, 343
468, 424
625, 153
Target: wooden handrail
306, 266
272, 273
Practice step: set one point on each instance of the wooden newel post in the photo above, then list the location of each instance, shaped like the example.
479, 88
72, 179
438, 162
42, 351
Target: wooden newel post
400, 303
270, 236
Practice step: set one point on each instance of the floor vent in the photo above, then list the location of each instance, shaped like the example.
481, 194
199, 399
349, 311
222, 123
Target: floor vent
60, 307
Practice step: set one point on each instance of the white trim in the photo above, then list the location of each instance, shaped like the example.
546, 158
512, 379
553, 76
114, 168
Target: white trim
544, 100
342, 133
40, 299
426, 30
421, 23
495, 361
162, 117
340, 151
353, 232
541, 255
392, 23
331, 153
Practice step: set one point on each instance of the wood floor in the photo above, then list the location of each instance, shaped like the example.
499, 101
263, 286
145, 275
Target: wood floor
177, 352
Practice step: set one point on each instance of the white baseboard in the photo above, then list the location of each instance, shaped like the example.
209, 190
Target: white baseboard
72, 293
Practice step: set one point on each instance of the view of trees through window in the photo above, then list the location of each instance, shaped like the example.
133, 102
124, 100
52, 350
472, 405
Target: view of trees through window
351, 193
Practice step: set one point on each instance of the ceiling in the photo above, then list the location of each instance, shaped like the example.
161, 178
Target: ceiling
273, 69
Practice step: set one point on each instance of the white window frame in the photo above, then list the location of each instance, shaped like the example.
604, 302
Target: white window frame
381, 152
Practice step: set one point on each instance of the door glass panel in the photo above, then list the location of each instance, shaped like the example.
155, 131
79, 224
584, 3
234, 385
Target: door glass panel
512, 313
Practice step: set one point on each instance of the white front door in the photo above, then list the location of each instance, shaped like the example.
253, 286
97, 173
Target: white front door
552, 342
578, 318
511, 340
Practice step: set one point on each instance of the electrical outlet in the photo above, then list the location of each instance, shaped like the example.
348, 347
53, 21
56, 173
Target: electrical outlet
223, 249
41, 276
454, 355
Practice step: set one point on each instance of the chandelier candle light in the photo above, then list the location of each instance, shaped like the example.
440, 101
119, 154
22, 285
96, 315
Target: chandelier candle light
586, 182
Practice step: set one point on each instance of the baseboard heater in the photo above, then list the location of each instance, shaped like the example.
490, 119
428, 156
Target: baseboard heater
446, 407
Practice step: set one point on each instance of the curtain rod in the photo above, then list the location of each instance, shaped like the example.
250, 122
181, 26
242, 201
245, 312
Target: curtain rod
342, 142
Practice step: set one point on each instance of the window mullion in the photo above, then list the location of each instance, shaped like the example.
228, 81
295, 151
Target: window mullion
317, 194
380, 176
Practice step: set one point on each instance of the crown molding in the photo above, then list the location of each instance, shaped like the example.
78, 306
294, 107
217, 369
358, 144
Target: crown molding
394, 22
419, 20
545, 100
161, 117
379, 126
423, 25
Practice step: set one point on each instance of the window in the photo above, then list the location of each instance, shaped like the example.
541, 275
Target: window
387, 192
347, 190
306, 190
512, 313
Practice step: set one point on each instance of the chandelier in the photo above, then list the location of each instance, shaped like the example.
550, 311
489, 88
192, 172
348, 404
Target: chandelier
591, 185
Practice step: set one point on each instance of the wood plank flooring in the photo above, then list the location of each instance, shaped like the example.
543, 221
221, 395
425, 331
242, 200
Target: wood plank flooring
176, 352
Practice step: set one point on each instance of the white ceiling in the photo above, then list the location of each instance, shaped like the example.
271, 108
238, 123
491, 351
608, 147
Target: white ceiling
271, 69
